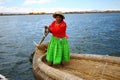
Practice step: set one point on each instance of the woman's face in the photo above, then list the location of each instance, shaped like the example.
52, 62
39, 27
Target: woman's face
59, 18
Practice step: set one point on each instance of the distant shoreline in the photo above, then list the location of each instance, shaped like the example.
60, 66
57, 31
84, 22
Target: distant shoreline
32, 13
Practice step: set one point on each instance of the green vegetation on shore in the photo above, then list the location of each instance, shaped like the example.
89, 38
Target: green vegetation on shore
78, 12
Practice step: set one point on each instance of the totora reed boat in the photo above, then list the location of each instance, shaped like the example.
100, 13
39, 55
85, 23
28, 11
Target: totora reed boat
80, 67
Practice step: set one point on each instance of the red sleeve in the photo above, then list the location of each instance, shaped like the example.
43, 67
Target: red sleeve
51, 26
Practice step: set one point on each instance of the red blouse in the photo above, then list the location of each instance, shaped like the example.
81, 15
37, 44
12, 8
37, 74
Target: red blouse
59, 30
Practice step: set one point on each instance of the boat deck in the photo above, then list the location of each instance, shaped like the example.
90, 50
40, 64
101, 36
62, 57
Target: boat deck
91, 69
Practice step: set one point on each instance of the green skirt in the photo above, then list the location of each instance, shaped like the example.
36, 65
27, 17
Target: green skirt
58, 50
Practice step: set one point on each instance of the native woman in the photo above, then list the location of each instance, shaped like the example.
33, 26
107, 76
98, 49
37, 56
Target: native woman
58, 48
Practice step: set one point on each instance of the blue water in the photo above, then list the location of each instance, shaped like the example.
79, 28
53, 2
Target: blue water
88, 34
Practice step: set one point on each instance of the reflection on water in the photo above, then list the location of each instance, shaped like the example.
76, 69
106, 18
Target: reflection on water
89, 34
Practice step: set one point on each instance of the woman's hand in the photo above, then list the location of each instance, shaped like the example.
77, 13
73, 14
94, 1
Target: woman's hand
47, 29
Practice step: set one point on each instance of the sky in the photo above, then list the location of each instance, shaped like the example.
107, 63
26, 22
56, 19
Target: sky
22, 6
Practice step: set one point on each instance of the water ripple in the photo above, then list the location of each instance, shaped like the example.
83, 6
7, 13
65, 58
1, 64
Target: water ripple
88, 34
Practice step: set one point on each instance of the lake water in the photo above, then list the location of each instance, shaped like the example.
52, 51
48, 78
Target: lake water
88, 34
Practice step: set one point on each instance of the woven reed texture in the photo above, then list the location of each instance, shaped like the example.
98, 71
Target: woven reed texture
80, 67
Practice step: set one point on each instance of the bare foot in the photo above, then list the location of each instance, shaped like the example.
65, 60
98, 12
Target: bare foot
49, 63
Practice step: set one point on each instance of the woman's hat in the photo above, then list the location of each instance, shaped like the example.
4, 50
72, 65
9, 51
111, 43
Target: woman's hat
58, 13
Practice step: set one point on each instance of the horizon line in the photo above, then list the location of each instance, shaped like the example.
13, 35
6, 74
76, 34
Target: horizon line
109, 10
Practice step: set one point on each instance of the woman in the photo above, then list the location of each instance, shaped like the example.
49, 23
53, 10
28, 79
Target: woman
58, 48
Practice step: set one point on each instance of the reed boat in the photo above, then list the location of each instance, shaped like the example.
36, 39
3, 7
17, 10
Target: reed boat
80, 67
